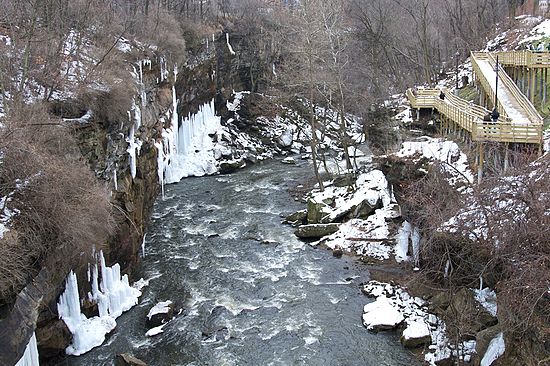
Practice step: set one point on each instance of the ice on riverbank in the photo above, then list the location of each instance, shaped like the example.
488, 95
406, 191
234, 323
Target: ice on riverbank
114, 295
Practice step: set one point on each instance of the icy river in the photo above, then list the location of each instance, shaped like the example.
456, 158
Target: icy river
252, 293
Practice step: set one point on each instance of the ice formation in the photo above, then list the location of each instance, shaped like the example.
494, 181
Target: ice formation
30, 357
114, 295
187, 149
229, 44
495, 350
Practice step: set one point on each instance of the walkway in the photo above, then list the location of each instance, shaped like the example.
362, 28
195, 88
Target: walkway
519, 121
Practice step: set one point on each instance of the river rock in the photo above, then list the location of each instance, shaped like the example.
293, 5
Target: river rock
285, 140
230, 166
337, 251
53, 338
297, 218
126, 359
290, 160
160, 314
316, 211
416, 334
315, 231
381, 315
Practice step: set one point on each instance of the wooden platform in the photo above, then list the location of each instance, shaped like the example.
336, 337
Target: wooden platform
519, 120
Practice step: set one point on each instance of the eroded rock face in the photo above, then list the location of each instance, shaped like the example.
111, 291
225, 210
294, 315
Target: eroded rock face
53, 338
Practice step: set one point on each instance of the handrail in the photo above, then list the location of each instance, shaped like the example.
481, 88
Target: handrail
532, 114
524, 58
470, 117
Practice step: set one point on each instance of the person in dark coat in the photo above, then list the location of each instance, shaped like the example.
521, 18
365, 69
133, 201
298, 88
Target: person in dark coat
442, 95
495, 115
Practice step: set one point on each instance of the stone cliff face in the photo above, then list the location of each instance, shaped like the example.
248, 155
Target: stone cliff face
105, 142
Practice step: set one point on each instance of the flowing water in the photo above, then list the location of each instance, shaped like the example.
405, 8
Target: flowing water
252, 293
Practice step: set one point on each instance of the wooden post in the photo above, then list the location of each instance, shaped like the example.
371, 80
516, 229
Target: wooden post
532, 86
506, 152
480, 162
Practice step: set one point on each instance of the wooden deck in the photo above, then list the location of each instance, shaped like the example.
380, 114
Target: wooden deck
519, 121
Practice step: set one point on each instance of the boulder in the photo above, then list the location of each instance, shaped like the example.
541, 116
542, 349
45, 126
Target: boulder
285, 140
344, 180
230, 166
483, 338
126, 359
290, 161
160, 314
468, 312
315, 231
316, 211
53, 338
381, 315
297, 218
364, 209
416, 334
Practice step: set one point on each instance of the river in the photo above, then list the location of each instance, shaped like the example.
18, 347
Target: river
252, 293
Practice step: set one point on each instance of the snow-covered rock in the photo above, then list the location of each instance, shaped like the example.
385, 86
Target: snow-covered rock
161, 313
381, 315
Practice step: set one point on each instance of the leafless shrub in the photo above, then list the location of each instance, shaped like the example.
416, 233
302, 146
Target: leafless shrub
63, 212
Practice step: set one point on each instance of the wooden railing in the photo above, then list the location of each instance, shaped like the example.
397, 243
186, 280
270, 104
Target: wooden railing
533, 116
524, 58
469, 116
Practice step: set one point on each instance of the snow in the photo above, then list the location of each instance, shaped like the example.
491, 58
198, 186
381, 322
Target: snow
229, 44
30, 357
416, 328
155, 331
495, 350
114, 296
488, 299
445, 151
237, 98
162, 307
504, 96
381, 313
394, 305
7, 214
538, 32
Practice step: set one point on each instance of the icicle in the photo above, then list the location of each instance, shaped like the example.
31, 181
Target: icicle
228, 44
143, 246
115, 180
273, 70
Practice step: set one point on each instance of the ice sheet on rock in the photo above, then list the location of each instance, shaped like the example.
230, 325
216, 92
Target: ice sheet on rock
495, 350
30, 356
